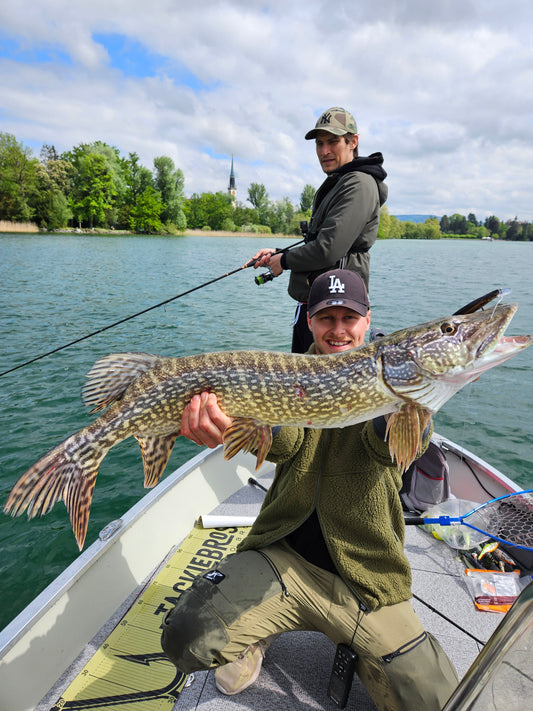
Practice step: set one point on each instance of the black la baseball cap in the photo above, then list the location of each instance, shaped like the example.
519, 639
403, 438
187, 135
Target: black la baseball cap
338, 287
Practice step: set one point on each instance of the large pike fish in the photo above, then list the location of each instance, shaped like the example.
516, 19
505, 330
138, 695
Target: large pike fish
407, 375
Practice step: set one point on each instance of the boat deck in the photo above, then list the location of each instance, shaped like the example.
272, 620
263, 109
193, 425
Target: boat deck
297, 666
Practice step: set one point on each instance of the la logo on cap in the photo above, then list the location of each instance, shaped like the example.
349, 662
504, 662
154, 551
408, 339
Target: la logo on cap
335, 285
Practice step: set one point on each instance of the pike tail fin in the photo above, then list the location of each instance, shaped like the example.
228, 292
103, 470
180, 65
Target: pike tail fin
68, 472
405, 428
249, 435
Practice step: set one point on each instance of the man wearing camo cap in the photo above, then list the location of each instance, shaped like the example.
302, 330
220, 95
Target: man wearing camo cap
345, 218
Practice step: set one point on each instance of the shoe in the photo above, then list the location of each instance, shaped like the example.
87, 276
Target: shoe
232, 678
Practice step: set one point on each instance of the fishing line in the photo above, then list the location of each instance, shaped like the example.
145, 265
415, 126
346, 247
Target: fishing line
140, 313
444, 617
478, 305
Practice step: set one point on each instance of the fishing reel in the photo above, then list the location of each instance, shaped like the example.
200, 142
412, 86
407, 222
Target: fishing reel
264, 278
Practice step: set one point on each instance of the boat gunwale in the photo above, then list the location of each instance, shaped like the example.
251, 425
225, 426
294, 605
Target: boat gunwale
45, 600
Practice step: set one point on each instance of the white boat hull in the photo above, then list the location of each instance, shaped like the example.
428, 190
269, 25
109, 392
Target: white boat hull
39, 644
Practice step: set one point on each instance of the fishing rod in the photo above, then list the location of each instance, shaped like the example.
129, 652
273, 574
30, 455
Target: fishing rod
482, 301
507, 519
258, 280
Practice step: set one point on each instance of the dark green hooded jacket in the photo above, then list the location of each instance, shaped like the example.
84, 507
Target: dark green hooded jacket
344, 224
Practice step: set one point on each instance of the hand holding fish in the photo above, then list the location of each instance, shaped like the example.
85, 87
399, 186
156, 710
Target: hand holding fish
203, 422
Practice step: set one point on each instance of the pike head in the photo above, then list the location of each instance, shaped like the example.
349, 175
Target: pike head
427, 364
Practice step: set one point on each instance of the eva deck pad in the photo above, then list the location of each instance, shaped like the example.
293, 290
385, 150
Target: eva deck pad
130, 672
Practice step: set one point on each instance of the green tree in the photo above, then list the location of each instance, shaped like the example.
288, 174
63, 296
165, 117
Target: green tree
395, 228
53, 185
431, 228
17, 179
294, 225
213, 210
458, 224
137, 178
411, 230
445, 224
258, 197
93, 190
114, 167
513, 230
492, 223
169, 181
194, 212
48, 154
306, 198
145, 214
384, 223
243, 215
51, 210
280, 216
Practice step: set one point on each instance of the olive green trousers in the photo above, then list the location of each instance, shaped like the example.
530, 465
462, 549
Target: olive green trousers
255, 594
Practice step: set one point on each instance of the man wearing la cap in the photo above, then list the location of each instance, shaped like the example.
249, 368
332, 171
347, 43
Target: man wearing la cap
345, 218
325, 552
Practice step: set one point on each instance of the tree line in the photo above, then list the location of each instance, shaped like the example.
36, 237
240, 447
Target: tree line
455, 226
93, 186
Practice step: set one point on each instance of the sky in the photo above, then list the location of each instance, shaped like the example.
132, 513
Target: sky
443, 88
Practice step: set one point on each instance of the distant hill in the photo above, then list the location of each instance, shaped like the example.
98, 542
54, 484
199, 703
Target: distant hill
413, 218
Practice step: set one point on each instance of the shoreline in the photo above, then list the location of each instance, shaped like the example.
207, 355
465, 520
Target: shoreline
17, 228
223, 233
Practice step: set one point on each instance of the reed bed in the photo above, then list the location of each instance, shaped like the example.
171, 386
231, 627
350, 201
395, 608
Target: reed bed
7, 226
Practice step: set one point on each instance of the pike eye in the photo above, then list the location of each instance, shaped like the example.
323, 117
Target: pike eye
448, 328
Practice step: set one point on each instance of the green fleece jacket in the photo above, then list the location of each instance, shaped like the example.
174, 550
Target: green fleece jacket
347, 475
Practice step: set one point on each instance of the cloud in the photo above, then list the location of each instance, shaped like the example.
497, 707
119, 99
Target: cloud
442, 89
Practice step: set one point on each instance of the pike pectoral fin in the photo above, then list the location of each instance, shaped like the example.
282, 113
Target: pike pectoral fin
248, 435
405, 428
155, 453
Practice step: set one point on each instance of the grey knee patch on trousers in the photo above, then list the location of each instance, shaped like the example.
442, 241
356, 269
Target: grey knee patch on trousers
195, 631
423, 677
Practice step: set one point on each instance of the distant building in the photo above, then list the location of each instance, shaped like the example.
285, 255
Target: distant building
232, 190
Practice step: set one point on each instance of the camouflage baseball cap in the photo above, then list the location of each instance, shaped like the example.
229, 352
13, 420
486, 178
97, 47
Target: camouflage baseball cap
336, 120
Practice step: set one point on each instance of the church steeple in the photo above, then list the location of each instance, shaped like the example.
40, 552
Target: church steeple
232, 190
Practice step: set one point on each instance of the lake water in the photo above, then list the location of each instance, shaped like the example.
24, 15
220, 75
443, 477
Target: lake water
57, 288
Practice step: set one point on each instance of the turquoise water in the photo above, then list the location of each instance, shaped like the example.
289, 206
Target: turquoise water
56, 288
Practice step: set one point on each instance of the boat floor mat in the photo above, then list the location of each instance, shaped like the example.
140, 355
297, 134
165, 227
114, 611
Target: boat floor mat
129, 671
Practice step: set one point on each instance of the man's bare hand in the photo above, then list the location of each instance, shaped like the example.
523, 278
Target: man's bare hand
262, 257
203, 421
268, 258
